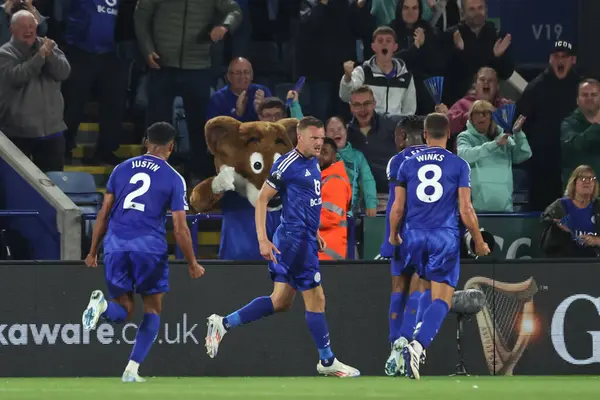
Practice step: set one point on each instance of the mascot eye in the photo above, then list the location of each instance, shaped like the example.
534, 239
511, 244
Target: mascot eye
276, 156
257, 162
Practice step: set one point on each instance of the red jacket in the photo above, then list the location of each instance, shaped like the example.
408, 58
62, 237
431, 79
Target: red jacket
336, 193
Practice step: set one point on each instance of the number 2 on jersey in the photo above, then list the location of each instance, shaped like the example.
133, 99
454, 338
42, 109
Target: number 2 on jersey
129, 202
433, 182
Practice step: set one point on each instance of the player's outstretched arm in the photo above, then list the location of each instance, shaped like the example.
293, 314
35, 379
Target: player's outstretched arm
183, 238
267, 192
396, 214
469, 218
100, 229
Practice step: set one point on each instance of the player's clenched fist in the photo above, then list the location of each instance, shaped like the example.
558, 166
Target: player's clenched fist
91, 261
196, 270
268, 250
482, 249
395, 239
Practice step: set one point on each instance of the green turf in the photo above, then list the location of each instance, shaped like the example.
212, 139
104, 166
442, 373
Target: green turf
442, 388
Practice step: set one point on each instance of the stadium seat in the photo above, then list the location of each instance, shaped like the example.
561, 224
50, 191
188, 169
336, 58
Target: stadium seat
80, 187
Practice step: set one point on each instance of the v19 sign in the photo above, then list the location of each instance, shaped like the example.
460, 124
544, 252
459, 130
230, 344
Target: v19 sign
535, 25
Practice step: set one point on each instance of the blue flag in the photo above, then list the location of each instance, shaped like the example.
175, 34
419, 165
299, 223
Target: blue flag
504, 116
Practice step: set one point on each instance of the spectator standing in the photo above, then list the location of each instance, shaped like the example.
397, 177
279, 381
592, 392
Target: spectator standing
373, 134
580, 132
12, 6
175, 38
571, 225
486, 88
491, 153
472, 44
91, 49
418, 47
240, 98
546, 102
388, 77
336, 193
31, 104
328, 33
364, 191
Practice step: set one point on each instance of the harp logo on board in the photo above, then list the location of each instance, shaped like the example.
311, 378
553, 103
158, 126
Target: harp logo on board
557, 331
507, 321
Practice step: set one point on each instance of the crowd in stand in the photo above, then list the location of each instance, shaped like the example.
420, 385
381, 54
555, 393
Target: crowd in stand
229, 57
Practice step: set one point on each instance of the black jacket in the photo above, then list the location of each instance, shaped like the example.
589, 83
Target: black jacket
328, 35
462, 65
555, 242
378, 145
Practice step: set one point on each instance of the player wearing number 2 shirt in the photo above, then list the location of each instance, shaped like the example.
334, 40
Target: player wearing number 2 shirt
431, 184
132, 220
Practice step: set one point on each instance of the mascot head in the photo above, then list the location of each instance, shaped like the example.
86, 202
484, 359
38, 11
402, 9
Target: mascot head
250, 148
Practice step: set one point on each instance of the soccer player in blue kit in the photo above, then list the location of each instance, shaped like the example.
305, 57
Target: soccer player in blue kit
139, 192
407, 296
293, 257
434, 186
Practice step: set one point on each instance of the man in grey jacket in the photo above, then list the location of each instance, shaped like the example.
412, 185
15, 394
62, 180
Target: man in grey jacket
175, 38
31, 104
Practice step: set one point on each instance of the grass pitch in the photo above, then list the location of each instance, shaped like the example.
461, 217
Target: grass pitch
442, 388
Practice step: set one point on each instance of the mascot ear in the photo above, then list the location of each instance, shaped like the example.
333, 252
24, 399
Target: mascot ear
218, 128
290, 125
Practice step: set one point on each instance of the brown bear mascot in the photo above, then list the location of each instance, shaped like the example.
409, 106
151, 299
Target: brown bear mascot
244, 154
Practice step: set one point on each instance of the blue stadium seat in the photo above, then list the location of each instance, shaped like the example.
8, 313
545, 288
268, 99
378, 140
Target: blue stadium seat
80, 187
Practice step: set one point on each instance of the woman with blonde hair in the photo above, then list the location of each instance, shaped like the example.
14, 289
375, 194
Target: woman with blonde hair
12, 6
571, 224
491, 154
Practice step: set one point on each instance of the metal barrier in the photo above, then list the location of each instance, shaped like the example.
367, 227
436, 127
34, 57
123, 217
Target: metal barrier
194, 231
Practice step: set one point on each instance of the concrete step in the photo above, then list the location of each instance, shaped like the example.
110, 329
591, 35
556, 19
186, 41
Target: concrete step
124, 151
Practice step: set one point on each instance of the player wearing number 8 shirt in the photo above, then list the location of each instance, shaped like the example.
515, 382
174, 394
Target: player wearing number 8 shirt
132, 220
294, 261
430, 186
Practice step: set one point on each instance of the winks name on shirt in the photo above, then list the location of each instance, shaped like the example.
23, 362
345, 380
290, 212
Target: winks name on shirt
430, 157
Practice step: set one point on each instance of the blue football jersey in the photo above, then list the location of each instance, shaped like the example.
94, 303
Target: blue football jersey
145, 188
298, 181
432, 178
392, 175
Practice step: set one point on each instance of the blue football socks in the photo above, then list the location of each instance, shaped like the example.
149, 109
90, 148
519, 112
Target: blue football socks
424, 303
115, 312
432, 320
258, 308
396, 314
145, 337
317, 325
409, 320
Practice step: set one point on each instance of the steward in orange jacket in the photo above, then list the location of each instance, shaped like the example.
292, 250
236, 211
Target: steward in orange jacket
336, 193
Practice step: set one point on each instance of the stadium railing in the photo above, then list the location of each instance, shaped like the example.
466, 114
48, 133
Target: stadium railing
193, 222
25, 187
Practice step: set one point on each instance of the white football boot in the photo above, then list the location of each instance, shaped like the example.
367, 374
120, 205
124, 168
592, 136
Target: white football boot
130, 376
214, 335
412, 354
338, 369
94, 310
395, 362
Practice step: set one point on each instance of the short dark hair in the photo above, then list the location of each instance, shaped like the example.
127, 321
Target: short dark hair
385, 30
590, 81
330, 142
271, 102
412, 126
309, 121
161, 133
437, 125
